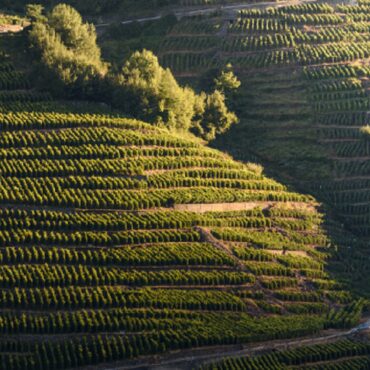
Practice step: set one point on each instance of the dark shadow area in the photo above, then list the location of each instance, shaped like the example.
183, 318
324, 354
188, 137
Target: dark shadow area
349, 261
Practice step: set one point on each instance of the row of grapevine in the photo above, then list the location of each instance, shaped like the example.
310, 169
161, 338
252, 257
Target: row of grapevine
11, 80
61, 275
322, 354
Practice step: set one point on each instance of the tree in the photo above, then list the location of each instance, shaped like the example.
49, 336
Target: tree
214, 118
71, 58
34, 12
68, 49
76, 35
227, 81
150, 92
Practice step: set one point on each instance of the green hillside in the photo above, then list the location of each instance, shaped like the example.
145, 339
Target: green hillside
120, 239
303, 102
304, 72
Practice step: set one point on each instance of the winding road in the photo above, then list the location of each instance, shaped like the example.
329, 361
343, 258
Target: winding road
229, 10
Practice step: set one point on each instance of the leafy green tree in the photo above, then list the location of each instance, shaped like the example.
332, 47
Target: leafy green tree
34, 12
71, 58
75, 35
68, 49
214, 118
229, 85
150, 92
227, 81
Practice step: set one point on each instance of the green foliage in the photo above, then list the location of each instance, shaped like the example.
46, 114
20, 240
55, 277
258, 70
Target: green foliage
365, 131
227, 81
68, 49
103, 230
10, 19
215, 118
34, 13
149, 92
142, 88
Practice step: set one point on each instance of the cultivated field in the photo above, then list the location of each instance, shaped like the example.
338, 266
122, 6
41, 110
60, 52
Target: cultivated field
304, 101
101, 262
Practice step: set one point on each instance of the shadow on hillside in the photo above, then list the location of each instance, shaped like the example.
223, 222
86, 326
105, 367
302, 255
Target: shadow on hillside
349, 261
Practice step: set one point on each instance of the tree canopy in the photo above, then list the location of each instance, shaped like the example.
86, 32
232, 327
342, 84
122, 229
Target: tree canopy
68, 46
141, 88
227, 81
152, 93
214, 118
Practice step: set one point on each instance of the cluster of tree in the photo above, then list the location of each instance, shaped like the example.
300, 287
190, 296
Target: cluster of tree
69, 51
150, 92
70, 55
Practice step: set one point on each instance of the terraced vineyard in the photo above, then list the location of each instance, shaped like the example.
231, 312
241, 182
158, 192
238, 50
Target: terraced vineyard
343, 354
118, 239
304, 99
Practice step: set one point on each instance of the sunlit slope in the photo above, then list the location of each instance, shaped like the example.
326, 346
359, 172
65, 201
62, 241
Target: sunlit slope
94, 240
119, 239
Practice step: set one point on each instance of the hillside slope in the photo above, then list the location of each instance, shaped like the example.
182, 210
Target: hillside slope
119, 239
303, 101
304, 72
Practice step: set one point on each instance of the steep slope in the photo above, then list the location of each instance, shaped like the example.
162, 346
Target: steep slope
304, 99
119, 239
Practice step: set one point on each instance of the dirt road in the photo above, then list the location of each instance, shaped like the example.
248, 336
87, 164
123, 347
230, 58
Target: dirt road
191, 358
230, 10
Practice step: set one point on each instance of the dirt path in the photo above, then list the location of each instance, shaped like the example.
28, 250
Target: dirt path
350, 159
209, 238
9, 28
194, 207
189, 359
230, 11
239, 206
